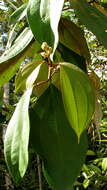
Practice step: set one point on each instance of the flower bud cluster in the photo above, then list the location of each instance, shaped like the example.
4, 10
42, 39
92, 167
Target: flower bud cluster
47, 50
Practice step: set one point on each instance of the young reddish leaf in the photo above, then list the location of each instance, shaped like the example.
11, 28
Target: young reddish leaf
17, 139
78, 96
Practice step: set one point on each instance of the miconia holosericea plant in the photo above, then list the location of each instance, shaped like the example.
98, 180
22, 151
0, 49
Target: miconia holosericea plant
56, 75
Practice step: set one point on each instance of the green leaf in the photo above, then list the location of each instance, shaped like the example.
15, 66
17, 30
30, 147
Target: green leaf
45, 14
41, 83
39, 73
25, 38
39, 70
72, 37
72, 57
78, 97
32, 77
19, 14
104, 3
104, 164
24, 72
90, 153
86, 183
55, 141
20, 82
17, 139
92, 18
25, 1
55, 80
9, 62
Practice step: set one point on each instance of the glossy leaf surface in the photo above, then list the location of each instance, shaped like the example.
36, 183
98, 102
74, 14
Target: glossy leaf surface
17, 138
72, 37
9, 62
26, 70
39, 73
25, 38
33, 76
55, 140
41, 83
20, 82
78, 97
43, 17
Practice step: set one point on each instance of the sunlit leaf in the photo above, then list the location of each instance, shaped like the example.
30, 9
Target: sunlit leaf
17, 138
18, 14
25, 38
104, 3
104, 164
41, 82
33, 76
9, 62
78, 97
45, 14
86, 183
20, 81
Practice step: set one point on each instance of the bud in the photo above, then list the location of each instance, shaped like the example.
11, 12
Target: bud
46, 48
44, 54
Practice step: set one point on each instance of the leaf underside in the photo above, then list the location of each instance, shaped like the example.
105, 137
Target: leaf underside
17, 138
11, 60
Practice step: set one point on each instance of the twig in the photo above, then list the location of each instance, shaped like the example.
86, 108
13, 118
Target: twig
41, 82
